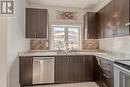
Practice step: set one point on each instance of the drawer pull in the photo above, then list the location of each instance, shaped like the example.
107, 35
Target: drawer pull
127, 24
106, 76
106, 69
70, 60
99, 62
105, 62
104, 85
83, 60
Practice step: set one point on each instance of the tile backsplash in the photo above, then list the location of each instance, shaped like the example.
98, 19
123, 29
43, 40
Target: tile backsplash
91, 44
40, 44
117, 44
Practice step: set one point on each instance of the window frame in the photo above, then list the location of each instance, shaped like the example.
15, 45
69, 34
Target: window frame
66, 27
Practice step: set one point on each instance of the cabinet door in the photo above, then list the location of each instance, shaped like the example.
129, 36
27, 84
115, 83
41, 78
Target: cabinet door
104, 72
97, 69
62, 65
82, 68
90, 25
42, 23
31, 23
85, 27
25, 71
121, 9
107, 72
75, 68
109, 20
36, 23
113, 18
101, 24
98, 72
90, 67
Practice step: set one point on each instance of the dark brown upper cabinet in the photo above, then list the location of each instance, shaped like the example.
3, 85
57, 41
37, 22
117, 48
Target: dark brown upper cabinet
113, 18
101, 23
106, 21
90, 25
36, 23
121, 16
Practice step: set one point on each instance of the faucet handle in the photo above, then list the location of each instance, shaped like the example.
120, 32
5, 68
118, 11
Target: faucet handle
59, 48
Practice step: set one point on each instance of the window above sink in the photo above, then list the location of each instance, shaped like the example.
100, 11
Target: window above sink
66, 37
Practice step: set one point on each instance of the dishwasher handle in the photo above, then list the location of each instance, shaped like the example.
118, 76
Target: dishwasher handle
43, 58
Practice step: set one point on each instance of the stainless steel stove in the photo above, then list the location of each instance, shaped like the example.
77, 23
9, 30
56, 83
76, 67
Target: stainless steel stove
122, 73
124, 62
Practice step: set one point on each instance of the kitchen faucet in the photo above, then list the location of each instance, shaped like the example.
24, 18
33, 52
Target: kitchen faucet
66, 51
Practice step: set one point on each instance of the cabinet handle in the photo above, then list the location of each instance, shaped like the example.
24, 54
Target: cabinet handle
127, 24
83, 60
103, 33
113, 33
70, 60
35, 34
88, 35
116, 32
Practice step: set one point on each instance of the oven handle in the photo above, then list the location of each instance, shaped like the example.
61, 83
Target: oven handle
122, 69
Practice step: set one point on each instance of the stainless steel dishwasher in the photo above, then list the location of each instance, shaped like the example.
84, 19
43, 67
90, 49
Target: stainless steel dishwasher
43, 70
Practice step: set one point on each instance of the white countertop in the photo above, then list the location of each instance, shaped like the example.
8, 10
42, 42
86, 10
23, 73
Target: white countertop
105, 55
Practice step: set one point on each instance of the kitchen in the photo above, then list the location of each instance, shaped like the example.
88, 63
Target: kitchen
65, 43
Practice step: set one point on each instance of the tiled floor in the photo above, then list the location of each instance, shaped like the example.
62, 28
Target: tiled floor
85, 84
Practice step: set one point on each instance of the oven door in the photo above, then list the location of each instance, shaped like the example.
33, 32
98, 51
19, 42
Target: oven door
121, 77
124, 79
116, 76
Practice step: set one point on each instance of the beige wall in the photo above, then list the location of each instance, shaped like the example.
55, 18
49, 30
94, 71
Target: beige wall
3, 52
16, 42
100, 5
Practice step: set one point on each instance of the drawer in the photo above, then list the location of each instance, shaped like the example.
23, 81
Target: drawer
106, 80
102, 84
108, 72
107, 65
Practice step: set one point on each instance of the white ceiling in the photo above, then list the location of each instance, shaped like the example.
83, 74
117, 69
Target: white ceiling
66, 3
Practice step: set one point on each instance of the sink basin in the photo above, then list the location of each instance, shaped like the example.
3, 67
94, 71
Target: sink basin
75, 53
